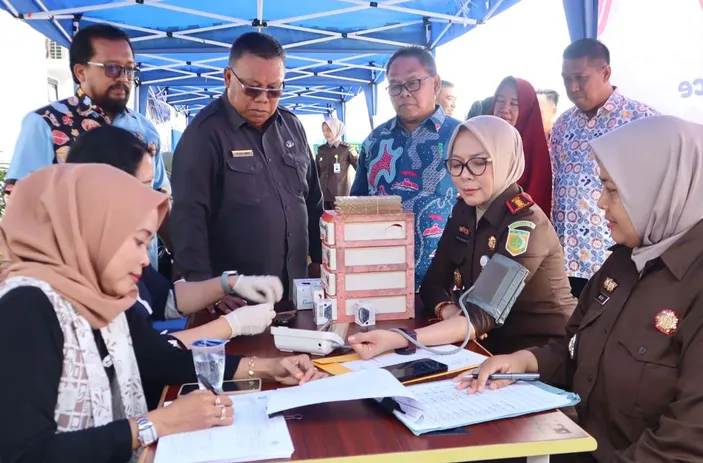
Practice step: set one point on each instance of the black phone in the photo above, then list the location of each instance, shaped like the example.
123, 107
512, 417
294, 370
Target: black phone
235, 386
416, 369
284, 306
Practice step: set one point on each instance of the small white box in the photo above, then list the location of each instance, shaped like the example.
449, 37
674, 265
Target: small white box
303, 292
324, 311
364, 314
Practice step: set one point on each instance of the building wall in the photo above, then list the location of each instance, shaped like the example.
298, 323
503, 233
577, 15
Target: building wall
23, 80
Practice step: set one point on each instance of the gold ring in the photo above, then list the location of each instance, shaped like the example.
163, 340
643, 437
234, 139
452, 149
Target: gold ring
217, 401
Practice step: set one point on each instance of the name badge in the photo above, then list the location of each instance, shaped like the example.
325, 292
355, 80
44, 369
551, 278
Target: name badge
337, 167
242, 153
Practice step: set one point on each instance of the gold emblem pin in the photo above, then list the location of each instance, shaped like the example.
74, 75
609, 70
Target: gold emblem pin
609, 285
457, 279
667, 321
492, 243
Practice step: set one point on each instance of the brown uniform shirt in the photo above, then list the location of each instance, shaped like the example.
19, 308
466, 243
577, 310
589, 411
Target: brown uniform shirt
333, 183
643, 402
525, 234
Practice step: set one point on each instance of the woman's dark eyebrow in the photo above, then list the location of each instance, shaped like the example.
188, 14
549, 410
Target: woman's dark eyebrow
474, 155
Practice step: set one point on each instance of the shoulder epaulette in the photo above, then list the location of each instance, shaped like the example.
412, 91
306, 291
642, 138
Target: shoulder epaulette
519, 203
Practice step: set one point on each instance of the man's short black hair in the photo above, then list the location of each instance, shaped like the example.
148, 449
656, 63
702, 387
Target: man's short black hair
82, 45
481, 108
109, 145
587, 48
447, 84
421, 53
257, 44
551, 95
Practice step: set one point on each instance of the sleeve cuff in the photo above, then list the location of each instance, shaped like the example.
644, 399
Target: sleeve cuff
231, 365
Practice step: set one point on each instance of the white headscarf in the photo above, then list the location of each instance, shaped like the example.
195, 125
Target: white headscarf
657, 165
503, 145
337, 128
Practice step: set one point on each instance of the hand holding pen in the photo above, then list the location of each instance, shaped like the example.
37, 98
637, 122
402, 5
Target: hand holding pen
500, 371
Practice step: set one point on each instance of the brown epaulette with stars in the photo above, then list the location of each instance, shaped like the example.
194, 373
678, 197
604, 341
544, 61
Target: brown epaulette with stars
519, 203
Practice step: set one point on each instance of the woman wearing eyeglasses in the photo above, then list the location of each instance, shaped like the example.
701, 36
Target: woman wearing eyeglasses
492, 216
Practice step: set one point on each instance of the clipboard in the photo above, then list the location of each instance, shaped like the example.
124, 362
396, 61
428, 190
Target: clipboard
334, 366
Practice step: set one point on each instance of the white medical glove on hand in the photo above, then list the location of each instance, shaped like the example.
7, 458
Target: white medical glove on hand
251, 319
258, 288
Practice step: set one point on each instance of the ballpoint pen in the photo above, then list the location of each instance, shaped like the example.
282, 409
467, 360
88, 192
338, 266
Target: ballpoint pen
508, 376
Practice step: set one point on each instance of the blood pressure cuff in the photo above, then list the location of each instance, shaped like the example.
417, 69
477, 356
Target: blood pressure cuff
497, 288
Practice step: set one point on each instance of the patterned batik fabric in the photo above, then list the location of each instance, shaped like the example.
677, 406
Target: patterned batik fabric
578, 220
394, 161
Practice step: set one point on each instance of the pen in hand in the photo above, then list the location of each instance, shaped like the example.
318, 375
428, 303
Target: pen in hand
203, 380
506, 376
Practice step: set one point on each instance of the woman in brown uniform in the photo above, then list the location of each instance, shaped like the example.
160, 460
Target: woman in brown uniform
492, 216
643, 402
333, 161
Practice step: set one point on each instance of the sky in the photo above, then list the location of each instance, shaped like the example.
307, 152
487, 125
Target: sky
525, 41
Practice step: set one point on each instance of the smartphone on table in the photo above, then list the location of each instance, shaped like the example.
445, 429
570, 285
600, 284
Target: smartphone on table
285, 313
235, 386
416, 369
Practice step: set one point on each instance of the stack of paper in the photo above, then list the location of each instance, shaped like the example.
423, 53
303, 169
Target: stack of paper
439, 405
252, 437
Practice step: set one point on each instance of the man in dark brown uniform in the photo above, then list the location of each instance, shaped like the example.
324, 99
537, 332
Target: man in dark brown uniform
333, 161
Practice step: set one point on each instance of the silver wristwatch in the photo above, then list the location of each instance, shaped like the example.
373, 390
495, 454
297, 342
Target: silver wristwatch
146, 431
224, 281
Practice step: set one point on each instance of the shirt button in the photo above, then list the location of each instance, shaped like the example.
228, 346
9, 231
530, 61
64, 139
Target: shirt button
287, 208
289, 234
590, 378
642, 350
270, 160
252, 168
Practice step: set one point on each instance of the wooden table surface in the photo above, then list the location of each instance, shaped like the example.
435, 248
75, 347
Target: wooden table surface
363, 431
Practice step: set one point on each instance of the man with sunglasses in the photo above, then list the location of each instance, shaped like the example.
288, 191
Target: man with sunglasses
404, 156
103, 68
246, 192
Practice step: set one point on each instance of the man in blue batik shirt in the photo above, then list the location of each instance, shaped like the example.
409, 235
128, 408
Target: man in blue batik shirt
405, 155
103, 66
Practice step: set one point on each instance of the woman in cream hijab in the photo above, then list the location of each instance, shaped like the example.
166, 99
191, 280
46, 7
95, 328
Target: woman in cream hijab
74, 362
643, 401
492, 216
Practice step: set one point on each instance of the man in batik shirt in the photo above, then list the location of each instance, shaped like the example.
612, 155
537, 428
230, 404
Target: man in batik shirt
103, 66
599, 109
405, 155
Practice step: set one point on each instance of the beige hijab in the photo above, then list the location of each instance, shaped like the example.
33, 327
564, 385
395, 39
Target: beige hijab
65, 223
503, 145
337, 128
657, 165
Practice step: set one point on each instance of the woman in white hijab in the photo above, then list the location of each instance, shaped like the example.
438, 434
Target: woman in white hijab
643, 402
333, 161
492, 216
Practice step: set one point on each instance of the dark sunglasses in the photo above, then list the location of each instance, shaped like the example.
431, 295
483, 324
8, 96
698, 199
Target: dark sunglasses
254, 92
114, 71
475, 166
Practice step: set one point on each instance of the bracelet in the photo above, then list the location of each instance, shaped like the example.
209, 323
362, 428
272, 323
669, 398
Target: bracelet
250, 367
438, 308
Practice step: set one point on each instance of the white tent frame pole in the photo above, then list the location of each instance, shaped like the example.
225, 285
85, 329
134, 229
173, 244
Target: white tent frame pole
58, 26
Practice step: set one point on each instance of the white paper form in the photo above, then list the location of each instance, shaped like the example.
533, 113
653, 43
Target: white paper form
252, 437
365, 384
445, 407
460, 361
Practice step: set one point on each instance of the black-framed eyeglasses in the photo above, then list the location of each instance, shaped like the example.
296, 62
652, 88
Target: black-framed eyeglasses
114, 71
411, 86
254, 92
475, 166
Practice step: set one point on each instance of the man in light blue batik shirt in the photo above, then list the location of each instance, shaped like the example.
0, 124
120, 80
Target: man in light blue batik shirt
103, 66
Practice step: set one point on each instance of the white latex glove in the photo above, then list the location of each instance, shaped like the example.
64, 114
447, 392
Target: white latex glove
250, 319
259, 288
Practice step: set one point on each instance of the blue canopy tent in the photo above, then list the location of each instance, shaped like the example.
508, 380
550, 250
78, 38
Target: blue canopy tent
335, 49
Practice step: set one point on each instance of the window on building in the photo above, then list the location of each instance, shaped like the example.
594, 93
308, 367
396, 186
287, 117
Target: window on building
52, 88
55, 50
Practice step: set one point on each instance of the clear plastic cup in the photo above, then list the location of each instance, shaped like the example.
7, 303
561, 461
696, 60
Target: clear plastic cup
209, 360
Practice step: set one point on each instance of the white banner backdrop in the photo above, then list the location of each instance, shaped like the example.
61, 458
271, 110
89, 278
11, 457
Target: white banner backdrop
661, 62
